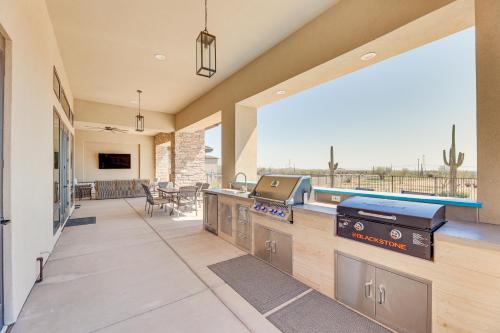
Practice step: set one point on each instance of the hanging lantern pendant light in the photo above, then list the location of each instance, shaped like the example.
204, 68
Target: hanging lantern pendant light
139, 119
205, 51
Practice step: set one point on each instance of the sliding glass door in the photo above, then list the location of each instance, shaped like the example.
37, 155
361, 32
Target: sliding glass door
63, 171
56, 172
65, 174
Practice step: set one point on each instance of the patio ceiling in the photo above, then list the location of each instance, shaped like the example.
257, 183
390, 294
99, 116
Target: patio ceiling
108, 46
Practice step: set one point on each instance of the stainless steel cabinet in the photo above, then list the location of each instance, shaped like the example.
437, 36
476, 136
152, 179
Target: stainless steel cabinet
401, 302
210, 216
394, 299
356, 284
281, 251
262, 239
274, 247
226, 219
243, 227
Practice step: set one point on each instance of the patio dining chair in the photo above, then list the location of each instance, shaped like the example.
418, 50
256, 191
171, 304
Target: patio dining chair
187, 197
152, 201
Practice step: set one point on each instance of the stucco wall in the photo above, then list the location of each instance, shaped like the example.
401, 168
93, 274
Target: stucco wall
488, 107
31, 54
88, 144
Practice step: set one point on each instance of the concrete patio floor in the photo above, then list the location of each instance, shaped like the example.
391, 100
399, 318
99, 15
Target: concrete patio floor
133, 273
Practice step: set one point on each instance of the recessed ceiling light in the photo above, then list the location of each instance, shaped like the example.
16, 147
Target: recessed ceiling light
280, 92
368, 56
160, 57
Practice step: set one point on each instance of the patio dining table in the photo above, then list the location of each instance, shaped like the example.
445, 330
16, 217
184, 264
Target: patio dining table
171, 192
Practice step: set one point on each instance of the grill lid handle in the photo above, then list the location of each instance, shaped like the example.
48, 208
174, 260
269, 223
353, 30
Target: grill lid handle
380, 216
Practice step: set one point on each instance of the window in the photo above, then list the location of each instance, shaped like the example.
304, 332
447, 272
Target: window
56, 84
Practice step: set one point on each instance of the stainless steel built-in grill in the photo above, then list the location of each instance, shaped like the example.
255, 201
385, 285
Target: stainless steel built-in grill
274, 195
401, 226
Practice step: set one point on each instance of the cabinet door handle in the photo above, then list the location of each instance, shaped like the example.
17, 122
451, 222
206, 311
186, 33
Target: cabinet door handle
273, 246
368, 289
381, 295
268, 245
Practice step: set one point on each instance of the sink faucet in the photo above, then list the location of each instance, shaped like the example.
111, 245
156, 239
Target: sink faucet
244, 188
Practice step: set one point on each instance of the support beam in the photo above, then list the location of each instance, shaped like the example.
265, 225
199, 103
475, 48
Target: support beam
245, 141
239, 143
88, 113
488, 107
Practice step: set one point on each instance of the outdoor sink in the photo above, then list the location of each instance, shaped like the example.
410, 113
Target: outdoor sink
235, 191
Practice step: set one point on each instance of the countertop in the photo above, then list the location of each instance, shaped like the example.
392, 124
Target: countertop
469, 233
221, 191
403, 197
317, 208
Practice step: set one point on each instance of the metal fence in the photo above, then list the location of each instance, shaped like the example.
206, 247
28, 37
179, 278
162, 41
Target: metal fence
214, 179
436, 186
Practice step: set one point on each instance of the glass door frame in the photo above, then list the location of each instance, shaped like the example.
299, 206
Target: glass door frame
64, 181
57, 166
3, 221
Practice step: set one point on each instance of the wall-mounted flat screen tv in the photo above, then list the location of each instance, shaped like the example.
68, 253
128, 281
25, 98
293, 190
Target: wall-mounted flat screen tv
114, 161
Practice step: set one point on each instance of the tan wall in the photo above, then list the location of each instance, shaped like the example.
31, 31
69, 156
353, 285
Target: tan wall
88, 144
245, 141
488, 107
32, 52
344, 27
114, 115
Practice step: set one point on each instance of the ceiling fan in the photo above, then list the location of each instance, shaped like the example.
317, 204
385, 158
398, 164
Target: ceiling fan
107, 128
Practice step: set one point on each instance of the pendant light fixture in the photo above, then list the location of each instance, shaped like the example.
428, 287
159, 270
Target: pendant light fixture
205, 52
139, 119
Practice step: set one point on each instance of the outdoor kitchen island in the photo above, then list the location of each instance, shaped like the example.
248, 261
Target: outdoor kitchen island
462, 280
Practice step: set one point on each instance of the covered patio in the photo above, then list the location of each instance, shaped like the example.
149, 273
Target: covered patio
105, 97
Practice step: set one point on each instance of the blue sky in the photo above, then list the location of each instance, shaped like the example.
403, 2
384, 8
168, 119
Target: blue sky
392, 112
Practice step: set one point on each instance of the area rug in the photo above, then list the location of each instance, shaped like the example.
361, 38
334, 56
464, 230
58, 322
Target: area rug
259, 283
317, 313
81, 221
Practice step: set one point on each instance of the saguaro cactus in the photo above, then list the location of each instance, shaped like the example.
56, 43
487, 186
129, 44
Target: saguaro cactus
332, 166
454, 162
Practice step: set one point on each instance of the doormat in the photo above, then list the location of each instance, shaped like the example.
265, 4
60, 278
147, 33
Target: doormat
81, 221
317, 313
262, 285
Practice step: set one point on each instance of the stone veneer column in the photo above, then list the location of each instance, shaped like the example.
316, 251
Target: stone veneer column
163, 158
162, 162
488, 107
188, 158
